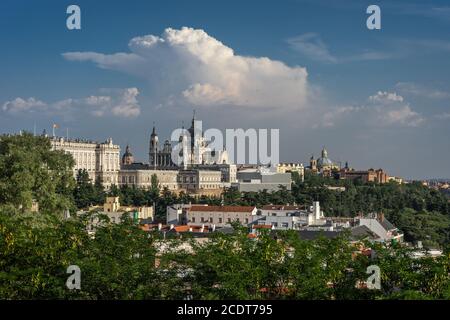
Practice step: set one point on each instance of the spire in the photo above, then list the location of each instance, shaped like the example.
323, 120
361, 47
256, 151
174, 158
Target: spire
324, 153
154, 129
193, 120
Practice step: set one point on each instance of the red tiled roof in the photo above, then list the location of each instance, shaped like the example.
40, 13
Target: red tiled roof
186, 228
222, 208
262, 226
181, 228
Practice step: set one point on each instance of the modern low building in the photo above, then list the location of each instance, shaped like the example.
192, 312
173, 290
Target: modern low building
379, 225
282, 217
259, 179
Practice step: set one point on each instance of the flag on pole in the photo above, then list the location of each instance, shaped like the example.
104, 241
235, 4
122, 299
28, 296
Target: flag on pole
55, 126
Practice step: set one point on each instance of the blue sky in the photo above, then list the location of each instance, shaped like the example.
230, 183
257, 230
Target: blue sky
376, 98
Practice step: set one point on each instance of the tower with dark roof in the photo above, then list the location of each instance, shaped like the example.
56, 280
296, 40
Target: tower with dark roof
127, 157
153, 150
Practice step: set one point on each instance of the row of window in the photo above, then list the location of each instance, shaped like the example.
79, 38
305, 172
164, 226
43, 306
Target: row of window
211, 220
283, 224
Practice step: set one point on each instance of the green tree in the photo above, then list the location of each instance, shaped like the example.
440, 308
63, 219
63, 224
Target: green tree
31, 170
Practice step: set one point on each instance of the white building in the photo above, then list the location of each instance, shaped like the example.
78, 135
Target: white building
140, 175
200, 151
285, 217
220, 216
100, 160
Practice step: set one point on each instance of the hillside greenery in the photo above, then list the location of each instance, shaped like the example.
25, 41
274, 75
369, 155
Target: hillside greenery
124, 262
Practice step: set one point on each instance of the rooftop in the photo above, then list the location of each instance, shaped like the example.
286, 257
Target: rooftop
282, 207
222, 208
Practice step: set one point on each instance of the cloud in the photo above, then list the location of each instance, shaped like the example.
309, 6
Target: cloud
425, 10
443, 116
313, 47
189, 67
120, 103
381, 110
385, 97
421, 91
23, 105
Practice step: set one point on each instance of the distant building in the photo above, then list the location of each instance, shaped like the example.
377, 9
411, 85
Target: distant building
395, 179
200, 181
379, 225
281, 217
220, 216
371, 175
140, 175
292, 167
255, 180
127, 158
200, 153
113, 209
323, 165
176, 214
310, 222
100, 160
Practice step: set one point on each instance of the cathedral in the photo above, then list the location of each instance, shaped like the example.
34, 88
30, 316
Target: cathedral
323, 164
200, 152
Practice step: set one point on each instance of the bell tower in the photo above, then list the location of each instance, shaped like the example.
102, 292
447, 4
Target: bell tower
153, 150
313, 163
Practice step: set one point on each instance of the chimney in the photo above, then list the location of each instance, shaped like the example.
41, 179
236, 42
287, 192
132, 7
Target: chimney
381, 216
316, 208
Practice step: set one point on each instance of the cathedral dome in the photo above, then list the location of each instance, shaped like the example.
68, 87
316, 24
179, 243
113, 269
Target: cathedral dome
325, 162
127, 157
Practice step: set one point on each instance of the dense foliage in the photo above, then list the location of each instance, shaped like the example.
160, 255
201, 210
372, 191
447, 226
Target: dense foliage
30, 170
124, 262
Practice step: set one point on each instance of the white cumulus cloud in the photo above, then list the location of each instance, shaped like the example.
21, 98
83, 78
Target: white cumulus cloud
119, 102
382, 109
23, 105
191, 67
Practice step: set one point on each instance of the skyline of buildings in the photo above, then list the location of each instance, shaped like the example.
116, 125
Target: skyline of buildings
361, 99
105, 161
